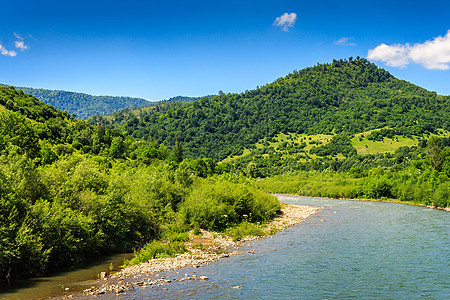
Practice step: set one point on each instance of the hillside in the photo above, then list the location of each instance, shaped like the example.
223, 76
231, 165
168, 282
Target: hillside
343, 97
70, 191
84, 105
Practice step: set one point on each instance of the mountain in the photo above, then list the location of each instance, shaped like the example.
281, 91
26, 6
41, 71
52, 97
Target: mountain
84, 105
181, 99
343, 97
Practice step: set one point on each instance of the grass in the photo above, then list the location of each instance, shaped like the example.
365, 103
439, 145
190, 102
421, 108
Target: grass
363, 146
318, 184
157, 249
291, 139
243, 230
366, 146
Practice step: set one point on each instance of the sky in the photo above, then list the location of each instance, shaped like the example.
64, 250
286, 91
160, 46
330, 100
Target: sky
159, 49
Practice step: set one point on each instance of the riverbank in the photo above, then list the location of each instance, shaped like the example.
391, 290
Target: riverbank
410, 186
209, 247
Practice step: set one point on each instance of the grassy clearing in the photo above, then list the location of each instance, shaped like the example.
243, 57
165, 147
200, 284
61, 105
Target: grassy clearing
282, 139
365, 146
289, 145
230, 158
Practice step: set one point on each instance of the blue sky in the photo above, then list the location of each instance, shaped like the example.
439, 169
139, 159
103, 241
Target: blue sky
159, 49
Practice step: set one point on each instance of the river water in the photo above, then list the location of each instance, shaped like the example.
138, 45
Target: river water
350, 249
55, 285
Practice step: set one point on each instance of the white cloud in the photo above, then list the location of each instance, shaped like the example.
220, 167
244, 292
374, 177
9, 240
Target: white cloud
344, 41
394, 56
432, 55
286, 21
5, 52
21, 45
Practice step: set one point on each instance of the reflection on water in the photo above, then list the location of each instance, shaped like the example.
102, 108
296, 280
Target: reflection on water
55, 285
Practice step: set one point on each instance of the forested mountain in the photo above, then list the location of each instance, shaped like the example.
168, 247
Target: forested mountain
84, 105
345, 96
182, 99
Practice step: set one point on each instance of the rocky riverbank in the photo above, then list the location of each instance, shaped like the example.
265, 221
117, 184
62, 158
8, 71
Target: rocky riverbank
211, 246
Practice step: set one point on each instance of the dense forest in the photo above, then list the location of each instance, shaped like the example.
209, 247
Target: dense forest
70, 190
345, 96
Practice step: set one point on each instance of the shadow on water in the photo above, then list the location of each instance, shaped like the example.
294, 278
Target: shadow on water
62, 283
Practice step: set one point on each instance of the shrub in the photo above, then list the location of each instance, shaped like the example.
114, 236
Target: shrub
218, 204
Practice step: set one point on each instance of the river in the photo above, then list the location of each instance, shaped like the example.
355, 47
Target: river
350, 249
54, 285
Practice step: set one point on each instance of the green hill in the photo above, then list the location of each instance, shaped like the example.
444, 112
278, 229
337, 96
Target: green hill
344, 97
84, 105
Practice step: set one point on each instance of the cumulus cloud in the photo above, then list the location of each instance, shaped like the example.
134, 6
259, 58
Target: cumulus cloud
432, 55
286, 21
344, 41
20, 43
5, 52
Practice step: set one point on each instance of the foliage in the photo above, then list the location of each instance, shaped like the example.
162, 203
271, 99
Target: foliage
346, 96
156, 249
339, 144
414, 184
218, 203
243, 230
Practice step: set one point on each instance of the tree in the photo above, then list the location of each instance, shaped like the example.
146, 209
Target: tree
178, 152
253, 171
117, 148
435, 152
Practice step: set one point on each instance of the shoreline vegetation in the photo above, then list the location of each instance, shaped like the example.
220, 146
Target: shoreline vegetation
423, 187
203, 248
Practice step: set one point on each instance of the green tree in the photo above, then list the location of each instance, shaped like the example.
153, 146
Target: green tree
117, 148
435, 152
178, 152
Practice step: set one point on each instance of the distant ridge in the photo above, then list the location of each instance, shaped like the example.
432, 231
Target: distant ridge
86, 105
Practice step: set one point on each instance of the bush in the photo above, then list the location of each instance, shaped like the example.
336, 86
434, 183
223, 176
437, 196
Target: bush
218, 204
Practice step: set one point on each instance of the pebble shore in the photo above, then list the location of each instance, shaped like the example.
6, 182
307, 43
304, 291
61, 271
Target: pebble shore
214, 247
